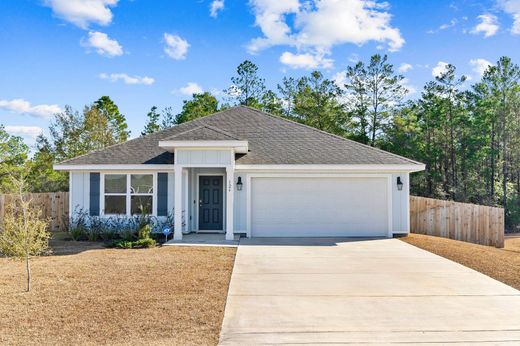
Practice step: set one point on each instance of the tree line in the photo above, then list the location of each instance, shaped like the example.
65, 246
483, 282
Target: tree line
467, 135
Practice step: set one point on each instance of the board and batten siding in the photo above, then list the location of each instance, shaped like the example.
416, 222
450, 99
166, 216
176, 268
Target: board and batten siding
204, 157
79, 191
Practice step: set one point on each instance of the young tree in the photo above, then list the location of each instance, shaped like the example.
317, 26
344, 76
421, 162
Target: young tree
199, 106
23, 233
247, 87
377, 91
152, 122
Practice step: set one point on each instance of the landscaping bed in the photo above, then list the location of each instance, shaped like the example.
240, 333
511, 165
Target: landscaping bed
87, 294
500, 264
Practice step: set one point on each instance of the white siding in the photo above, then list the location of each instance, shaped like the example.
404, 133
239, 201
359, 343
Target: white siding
400, 203
203, 157
79, 191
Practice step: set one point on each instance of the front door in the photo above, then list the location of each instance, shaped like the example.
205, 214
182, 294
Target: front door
211, 203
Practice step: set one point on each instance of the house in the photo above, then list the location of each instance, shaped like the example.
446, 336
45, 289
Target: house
242, 171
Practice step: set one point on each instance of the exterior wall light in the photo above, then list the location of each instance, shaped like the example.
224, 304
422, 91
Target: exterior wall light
239, 184
399, 184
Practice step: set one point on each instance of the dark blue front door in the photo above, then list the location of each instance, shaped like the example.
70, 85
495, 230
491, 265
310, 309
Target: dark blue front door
211, 202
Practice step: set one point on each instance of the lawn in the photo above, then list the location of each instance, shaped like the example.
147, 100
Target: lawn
500, 264
86, 294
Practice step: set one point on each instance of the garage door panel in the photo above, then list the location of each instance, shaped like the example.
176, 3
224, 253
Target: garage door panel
319, 207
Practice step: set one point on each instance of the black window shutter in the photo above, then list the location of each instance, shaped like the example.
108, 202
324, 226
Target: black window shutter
94, 194
162, 194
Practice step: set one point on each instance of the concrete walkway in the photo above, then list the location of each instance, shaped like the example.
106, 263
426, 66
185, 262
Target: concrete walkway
341, 291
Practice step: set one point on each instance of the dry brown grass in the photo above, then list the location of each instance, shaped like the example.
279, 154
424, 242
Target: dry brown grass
500, 264
85, 294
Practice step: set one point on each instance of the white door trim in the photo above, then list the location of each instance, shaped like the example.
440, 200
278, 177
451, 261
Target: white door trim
302, 175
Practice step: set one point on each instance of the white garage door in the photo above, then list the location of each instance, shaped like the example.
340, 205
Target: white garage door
314, 207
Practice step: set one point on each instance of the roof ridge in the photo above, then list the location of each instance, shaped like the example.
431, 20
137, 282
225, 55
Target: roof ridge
201, 126
331, 134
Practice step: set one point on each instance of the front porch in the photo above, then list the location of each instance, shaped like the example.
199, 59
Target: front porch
207, 195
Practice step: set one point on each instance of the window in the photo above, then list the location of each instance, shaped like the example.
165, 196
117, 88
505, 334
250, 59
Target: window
141, 189
115, 194
128, 194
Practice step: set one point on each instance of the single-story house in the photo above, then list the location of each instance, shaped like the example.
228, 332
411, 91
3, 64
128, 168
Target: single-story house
242, 171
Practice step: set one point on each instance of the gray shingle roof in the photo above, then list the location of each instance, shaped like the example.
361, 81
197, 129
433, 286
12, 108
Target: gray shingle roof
272, 140
202, 133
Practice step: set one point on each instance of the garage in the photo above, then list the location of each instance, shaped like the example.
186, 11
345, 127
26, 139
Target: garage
319, 206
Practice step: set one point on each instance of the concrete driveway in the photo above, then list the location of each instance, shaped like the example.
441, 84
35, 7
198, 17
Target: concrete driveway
312, 291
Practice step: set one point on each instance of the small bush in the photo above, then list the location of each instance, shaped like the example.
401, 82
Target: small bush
122, 244
127, 235
77, 233
147, 243
92, 234
107, 234
144, 232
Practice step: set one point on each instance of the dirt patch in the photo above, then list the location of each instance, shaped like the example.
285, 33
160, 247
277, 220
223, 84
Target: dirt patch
500, 264
85, 294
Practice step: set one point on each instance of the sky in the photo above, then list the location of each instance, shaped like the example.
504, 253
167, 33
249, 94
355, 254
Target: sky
143, 53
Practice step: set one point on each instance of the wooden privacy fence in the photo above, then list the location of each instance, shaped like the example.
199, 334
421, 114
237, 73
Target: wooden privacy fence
54, 206
460, 221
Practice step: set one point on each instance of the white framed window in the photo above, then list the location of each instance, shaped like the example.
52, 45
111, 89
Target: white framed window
128, 193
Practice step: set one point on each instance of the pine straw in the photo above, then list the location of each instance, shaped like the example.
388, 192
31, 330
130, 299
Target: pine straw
168, 295
500, 264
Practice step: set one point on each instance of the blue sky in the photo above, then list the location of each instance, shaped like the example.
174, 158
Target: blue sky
143, 53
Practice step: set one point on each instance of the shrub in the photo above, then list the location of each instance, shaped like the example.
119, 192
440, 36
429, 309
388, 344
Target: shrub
144, 232
77, 233
122, 244
147, 243
127, 234
92, 234
107, 234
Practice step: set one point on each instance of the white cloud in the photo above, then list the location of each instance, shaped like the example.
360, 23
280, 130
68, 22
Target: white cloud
114, 77
451, 24
103, 44
83, 12
488, 25
480, 66
340, 79
24, 131
306, 60
512, 7
215, 7
22, 106
190, 89
404, 67
405, 82
439, 68
176, 47
317, 26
